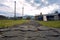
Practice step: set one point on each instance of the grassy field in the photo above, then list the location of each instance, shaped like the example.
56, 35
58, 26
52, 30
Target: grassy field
9, 23
54, 24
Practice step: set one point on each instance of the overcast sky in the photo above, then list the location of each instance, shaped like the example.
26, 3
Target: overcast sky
31, 7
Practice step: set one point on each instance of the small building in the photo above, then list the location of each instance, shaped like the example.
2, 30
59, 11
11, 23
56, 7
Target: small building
39, 17
18, 17
3, 17
48, 17
28, 17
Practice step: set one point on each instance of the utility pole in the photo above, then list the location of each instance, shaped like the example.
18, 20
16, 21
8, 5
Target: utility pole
15, 10
22, 11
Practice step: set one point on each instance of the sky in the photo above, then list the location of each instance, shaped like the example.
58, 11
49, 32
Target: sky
31, 7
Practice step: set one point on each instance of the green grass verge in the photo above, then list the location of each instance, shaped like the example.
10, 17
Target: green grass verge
9, 23
54, 24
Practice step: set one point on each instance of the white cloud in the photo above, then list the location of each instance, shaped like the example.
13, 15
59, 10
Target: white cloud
28, 9
49, 8
45, 1
32, 1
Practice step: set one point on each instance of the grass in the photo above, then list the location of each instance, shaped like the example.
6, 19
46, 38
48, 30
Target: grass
54, 24
9, 23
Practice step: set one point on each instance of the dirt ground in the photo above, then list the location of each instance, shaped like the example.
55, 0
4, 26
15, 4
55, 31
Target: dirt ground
30, 31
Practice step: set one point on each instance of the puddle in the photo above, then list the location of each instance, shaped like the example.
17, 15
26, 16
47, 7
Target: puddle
56, 31
9, 36
53, 35
1, 32
29, 37
42, 29
32, 30
23, 30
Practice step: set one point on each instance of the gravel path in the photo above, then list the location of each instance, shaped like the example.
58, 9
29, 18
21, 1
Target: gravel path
30, 31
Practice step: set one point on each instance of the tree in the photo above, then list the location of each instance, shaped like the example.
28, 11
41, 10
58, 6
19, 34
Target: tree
28, 18
56, 12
